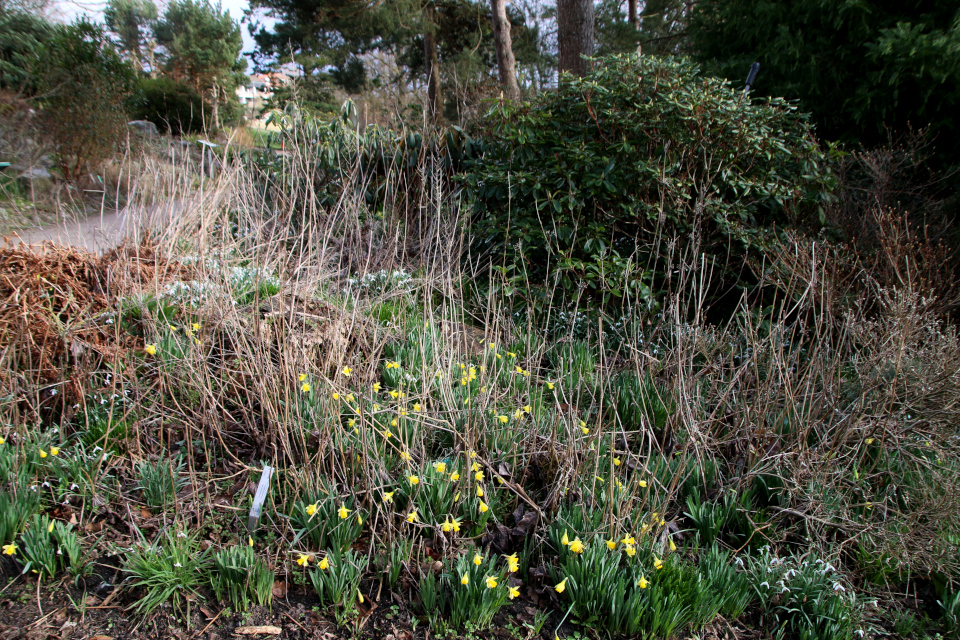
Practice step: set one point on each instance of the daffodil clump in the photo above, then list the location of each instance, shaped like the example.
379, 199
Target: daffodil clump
639, 583
475, 586
336, 579
327, 520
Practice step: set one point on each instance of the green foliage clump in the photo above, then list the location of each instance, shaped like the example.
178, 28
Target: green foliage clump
172, 568
21, 38
806, 598
240, 578
86, 86
172, 106
160, 481
15, 510
588, 184
50, 546
859, 68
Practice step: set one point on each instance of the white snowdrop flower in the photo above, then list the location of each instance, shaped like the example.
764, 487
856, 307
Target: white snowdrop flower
765, 584
45, 485
74, 486
838, 587
59, 552
177, 564
53, 392
182, 534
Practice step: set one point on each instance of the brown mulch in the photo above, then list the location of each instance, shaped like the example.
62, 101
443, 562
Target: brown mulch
57, 309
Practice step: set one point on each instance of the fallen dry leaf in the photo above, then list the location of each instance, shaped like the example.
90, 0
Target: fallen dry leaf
145, 513
261, 630
279, 589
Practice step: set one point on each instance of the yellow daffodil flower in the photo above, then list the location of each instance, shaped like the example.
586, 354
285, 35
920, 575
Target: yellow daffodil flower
631, 550
9, 549
491, 582
560, 587
43, 454
343, 512
305, 387
550, 386
565, 540
465, 579
673, 547
388, 497
643, 484
347, 371
404, 455
324, 564
303, 560
611, 544
414, 480
454, 476
302, 377
376, 387
643, 583
483, 507
151, 349
657, 563
513, 563
503, 419
440, 467
576, 546
477, 559
412, 517
513, 593
311, 509
54, 451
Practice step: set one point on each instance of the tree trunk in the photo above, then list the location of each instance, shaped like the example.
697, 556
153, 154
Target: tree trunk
506, 63
634, 19
215, 112
575, 35
434, 97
